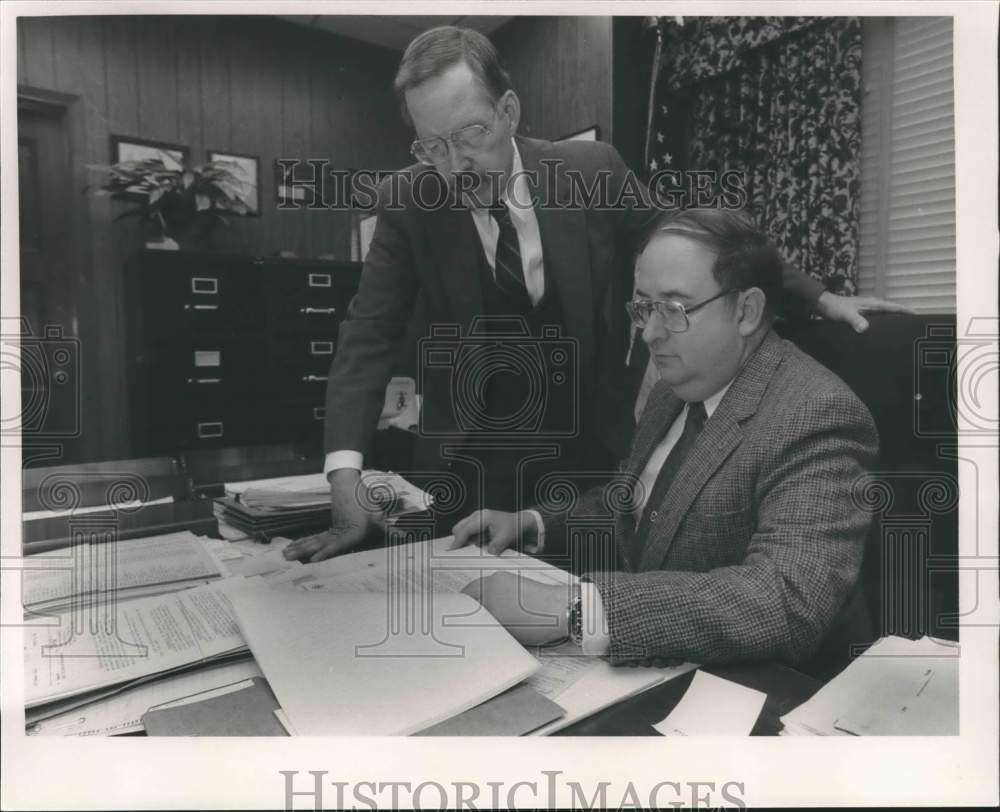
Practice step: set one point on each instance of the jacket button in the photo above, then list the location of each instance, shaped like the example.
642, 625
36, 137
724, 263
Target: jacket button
654, 516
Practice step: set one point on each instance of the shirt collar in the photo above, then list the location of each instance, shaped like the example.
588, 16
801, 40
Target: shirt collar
711, 403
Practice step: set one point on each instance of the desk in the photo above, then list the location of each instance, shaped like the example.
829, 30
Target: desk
785, 687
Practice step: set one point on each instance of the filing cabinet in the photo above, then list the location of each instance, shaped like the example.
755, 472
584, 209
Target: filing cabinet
231, 350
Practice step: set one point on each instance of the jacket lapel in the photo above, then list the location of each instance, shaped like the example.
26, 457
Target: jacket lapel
565, 250
660, 414
457, 252
720, 437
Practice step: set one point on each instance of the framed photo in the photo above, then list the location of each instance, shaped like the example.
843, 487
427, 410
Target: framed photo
127, 148
246, 168
589, 134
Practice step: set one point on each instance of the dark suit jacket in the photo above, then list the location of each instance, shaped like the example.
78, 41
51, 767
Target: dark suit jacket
757, 546
432, 257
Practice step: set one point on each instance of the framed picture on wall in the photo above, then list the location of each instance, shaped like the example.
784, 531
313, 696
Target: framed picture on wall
246, 168
589, 134
127, 148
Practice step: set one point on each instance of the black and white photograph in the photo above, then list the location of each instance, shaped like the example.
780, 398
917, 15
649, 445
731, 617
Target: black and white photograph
466, 410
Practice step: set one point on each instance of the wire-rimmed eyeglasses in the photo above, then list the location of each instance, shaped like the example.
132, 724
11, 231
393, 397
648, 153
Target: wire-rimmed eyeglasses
435, 149
674, 315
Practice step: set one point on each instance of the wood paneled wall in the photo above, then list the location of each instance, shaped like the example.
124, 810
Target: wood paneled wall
253, 85
561, 70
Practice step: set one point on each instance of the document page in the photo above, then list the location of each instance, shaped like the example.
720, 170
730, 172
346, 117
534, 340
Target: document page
120, 565
713, 706
105, 645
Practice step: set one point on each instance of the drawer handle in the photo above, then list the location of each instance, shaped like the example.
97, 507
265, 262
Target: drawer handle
207, 358
314, 378
320, 280
321, 311
321, 348
207, 431
201, 307
204, 284
204, 380
319, 413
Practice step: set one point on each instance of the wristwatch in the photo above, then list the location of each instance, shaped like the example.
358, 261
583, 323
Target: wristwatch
574, 617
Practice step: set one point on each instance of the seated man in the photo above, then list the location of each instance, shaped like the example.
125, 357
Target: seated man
740, 538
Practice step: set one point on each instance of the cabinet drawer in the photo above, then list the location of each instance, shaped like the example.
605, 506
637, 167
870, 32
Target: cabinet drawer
202, 297
202, 364
304, 298
204, 422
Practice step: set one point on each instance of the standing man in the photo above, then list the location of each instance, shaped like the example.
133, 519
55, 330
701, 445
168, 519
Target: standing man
513, 239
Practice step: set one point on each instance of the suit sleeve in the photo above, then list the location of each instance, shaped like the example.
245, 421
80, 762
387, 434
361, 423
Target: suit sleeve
802, 559
801, 292
370, 337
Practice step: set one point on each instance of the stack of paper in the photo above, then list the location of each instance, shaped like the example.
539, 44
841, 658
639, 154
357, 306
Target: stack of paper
101, 646
302, 503
52, 581
898, 687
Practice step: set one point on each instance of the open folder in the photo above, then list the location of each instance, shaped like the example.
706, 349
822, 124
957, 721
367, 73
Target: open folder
355, 664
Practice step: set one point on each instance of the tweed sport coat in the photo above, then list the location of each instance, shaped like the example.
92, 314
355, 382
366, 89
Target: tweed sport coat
757, 545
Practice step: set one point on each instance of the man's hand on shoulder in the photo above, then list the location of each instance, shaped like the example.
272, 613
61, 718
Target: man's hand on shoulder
350, 521
849, 308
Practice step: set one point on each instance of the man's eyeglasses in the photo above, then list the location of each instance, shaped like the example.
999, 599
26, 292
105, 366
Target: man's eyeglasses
674, 315
434, 150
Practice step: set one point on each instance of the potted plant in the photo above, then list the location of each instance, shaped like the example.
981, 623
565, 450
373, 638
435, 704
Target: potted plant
177, 203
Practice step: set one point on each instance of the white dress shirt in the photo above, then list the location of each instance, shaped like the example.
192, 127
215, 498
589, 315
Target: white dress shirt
529, 238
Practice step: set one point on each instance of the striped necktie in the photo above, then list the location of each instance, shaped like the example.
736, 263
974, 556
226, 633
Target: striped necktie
508, 265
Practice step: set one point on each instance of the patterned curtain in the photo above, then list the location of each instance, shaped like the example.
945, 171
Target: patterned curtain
778, 101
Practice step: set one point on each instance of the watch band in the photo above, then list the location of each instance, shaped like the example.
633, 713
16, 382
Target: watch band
574, 617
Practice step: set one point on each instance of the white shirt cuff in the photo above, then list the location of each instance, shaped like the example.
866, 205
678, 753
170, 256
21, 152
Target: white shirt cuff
343, 459
596, 637
537, 547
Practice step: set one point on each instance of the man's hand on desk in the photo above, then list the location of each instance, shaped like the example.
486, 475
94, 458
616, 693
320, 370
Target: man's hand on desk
495, 530
534, 613
350, 521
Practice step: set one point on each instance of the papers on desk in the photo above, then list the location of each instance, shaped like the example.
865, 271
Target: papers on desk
898, 687
352, 664
713, 706
581, 685
104, 645
126, 569
122, 712
302, 503
585, 685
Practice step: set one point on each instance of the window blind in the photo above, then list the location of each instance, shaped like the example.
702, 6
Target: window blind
907, 236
